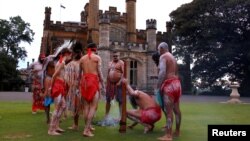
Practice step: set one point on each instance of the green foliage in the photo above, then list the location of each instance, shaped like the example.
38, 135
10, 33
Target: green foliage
12, 33
216, 34
9, 75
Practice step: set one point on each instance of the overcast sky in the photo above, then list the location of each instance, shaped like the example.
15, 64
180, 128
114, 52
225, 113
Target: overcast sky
32, 11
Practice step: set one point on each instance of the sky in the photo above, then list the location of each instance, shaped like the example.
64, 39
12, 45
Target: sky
32, 11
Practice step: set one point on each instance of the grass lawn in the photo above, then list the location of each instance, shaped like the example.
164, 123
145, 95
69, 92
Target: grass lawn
17, 123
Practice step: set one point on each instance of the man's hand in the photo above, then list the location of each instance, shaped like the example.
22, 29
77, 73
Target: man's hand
125, 81
103, 91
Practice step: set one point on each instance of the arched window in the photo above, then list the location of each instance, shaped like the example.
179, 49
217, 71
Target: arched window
133, 73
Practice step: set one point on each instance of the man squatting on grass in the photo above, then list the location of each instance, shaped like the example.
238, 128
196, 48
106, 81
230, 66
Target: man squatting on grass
149, 111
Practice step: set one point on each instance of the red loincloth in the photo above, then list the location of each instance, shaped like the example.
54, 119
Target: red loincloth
151, 115
172, 88
58, 88
89, 86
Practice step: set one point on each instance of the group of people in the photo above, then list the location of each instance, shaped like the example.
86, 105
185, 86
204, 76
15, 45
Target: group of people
75, 81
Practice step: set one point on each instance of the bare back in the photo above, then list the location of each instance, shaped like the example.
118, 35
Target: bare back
90, 64
145, 101
171, 65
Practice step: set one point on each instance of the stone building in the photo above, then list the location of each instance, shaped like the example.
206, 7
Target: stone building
113, 30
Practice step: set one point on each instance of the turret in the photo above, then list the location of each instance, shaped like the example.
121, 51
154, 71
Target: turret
47, 13
151, 34
131, 20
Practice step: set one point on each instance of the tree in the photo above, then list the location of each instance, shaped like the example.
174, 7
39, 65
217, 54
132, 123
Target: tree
12, 33
216, 34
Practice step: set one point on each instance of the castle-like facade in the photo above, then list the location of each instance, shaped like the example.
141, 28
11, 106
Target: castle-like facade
112, 30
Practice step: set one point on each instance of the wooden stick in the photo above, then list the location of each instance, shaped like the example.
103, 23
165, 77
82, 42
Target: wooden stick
123, 123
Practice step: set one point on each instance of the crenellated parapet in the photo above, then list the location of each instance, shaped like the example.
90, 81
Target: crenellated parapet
114, 15
122, 46
68, 26
47, 10
104, 19
151, 24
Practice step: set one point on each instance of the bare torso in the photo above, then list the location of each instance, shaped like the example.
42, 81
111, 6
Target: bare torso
60, 69
116, 70
172, 68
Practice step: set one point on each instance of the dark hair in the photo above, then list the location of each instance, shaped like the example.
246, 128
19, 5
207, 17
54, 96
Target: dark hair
65, 50
133, 102
91, 45
156, 58
77, 48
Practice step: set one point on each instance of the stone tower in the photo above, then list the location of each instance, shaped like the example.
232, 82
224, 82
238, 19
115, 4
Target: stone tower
104, 29
47, 13
151, 34
131, 20
93, 18
151, 41
46, 27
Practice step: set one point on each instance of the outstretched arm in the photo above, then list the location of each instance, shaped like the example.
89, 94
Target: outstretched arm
130, 89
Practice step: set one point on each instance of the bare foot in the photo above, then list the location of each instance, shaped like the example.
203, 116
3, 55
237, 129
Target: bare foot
73, 127
130, 126
53, 133
87, 134
165, 138
148, 128
60, 130
91, 128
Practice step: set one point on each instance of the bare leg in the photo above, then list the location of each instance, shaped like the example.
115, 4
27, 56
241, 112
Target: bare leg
168, 102
60, 106
47, 112
90, 112
135, 115
107, 108
132, 125
177, 113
